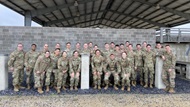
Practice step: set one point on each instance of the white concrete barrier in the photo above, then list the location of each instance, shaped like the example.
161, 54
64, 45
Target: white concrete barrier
85, 70
3, 72
158, 77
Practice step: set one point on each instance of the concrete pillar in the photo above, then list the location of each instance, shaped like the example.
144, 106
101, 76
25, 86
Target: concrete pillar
188, 71
3, 72
158, 77
27, 19
85, 70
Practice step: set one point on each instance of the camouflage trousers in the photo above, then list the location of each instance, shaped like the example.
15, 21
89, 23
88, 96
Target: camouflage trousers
74, 81
18, 75
125, 75
29, 74
62, 78
39, 79
54, 74
140, 71
149, 74
97, 78
168, 77
108, 74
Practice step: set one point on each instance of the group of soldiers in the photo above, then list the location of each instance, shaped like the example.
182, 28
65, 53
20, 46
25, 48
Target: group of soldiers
58, 69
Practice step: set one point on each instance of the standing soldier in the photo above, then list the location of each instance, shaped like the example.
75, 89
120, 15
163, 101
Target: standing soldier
30, 60
77, 47
158, 50
149, 59
97, 68
131, 56
126, 45
144, 44
53, 70
168, 71
75, 68
122, 48
112, 67
68, 50
112, 46
139, 62
63, 66
117, 52
16, 64
40, 68
126, 68
90, 47
44, 50
85, 48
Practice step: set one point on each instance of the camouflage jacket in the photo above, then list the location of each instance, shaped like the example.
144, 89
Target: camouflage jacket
131, 56
42, 64
63, 64
69, 53
149, 58
112, 65
74, 64
97, 63
170, 60
16, 59
30, 59
54, 60
138, 58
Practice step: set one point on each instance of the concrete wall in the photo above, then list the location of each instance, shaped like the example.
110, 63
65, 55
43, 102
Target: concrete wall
11, 36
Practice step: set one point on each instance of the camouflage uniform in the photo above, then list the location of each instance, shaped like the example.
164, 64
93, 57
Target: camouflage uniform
117, 54
139, 64
69, 52
53, 69
41, 65
112, 67
149, 59
16, 61
97, 67
30, 60
169, 63
131, 56
63, 65
75, 67
126, 69
105, 54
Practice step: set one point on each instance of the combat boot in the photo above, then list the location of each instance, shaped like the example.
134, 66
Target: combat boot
47, 88
71, 88
63, 88
76, 88
167, 88
171, 90
151, 86
58, 90
95, 86
141, 83
106, 87
128, 88
28, 86
135, 83
146, 85
132, 83
122, 88
115, 87
40, 90
16, 89
99, 87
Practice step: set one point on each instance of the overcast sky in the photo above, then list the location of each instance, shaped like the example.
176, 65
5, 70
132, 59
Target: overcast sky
10, 18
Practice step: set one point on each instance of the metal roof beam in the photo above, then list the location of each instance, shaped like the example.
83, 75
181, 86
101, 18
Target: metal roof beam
145, 20
176, 12
58, 7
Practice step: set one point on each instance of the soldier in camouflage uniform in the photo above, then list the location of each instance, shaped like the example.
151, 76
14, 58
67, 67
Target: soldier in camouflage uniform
131, 56
16, 64
68, 50
158, 50
90, 47
85, 48
112, 67
126, 46
149, 59
168, 71
53, 70
112, 46
75, 69
63, 66
117, 52
126, 68
30, 60
122, 48
94, 49
144, 44
42, 53
40, 68
97, 68
77, 47
139, 62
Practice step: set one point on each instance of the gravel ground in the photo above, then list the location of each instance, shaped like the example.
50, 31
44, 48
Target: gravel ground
98, 100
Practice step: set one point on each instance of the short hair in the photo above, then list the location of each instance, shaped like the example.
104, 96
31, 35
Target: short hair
75, 51
112, 43
116, 45
34, 45
138, 44
167, 45
127, 41
131, 44
68, 43
47, 51
121, 44
148, 45
64, 51
57, 49
145, 42
97, 50
78, 43
106, 43
90, 42
20, 44
95, 45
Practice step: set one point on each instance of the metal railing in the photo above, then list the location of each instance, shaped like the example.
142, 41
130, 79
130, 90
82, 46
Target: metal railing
173, 35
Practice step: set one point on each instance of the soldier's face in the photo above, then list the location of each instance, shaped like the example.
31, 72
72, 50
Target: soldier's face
138, 47
20, 47
98, 53
158, 46
78, 46
85, 46
112, 45
117, 48
124, 55
57, 52
68, 46
95, 47
57, 46
144, 44
130, 47
107, 46
33, 47
122, 46
167, 48
47, 54
112, 57
127, 44
64, 54
46, 47
90, 44
76, 54
148, 48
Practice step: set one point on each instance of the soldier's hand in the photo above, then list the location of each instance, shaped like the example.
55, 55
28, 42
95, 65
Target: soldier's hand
64, 71
38, 72
77, 74
94, 73
163, 57
12, 69
106, 73
135, 68
72, 75
169, 70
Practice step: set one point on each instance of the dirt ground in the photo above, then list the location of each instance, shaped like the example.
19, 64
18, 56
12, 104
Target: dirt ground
98, 100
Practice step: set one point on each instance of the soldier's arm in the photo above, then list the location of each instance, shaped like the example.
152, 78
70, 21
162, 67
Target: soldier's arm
11, 59
26, 59
79, 68
70, 66
118, 67
37, 64
59, 66
92, 62
173, 61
